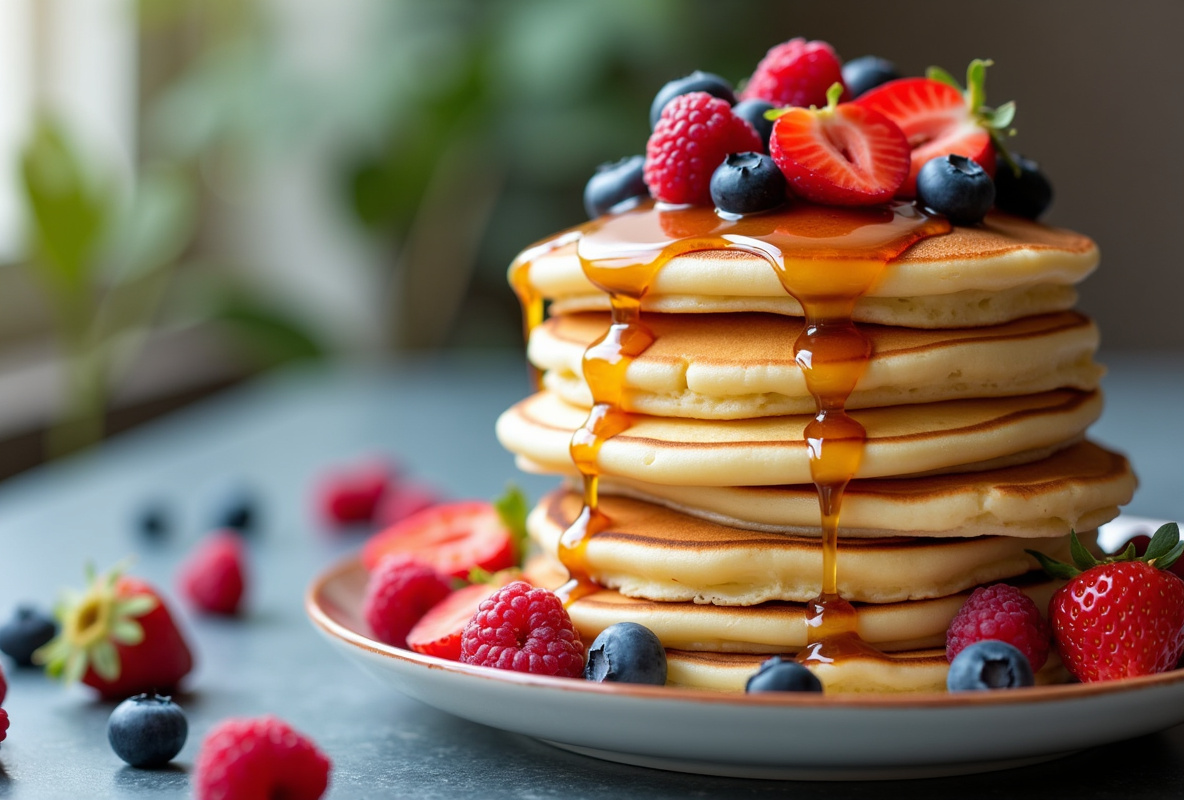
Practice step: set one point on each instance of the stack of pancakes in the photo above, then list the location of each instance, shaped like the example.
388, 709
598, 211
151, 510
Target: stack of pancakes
976, 399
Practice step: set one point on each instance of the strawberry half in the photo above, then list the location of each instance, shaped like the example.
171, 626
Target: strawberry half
438, 631
841, 155
454, 539
938, 118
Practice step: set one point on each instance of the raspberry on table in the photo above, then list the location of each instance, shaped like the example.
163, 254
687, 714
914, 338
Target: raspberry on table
525, 629
214, 577
1000, 612
259, 757
693, 136
400, 591
3, 724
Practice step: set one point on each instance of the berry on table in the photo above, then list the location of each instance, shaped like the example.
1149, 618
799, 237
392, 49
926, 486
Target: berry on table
867, 72
697, 81
1004, 613
3, 686
235, 508
260, 757
1028, 194
957, 188
989, 664
147, 730
613, 183
453, 538
626, 653
3, 724
28, 629
796, 73
214, 577
398, 593
778, 675
153, 520
753, 112
524, 629
691, 139
841, 154
747, 183
352, 495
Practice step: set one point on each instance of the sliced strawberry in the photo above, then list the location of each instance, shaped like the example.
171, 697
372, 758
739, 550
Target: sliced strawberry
438, 632
454, 538
841, 155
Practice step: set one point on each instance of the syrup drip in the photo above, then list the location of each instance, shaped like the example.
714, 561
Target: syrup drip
529, 297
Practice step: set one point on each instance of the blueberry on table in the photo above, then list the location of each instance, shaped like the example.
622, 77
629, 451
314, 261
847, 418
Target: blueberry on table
626, 653
615, 182
989, 664
956, 187
746, 183
1028, 194
867, 72
235, 508
147, 730
779, 675
28, 629
153, 521
753, 112
697, 81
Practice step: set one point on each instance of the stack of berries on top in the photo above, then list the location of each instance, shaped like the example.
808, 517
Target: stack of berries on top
807, 127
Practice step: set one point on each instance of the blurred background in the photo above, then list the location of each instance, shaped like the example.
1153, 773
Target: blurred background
195, 191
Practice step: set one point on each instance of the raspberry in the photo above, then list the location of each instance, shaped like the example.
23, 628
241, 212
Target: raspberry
215, 576
400, 591
796, 73
1004, 613
353, 495
3, 686
693, 136
525, 629
247, 758
3, 724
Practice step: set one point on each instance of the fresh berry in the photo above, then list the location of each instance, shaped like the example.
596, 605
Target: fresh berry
154, 522
3, 724
524, 629
778, 675
117, 637
1122, 616
3, 686
405, 500
938, 118
214, 577
691, 139
454, 539
352, 495
613, 183
439, 631
867, 72
795, 73
747, 183
28, 629
1004, 613
235, 507
264, 757
841, 154
398, 593
989, 664
697, 81
753, 112
1028, 194
957, 188
626, 653
147, 730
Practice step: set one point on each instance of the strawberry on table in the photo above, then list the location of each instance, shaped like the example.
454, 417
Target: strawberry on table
1122, 616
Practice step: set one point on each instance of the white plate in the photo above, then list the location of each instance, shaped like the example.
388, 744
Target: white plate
809, 737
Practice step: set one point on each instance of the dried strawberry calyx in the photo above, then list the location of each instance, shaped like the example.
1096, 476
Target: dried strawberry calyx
91, 623
1163, 551
995, 121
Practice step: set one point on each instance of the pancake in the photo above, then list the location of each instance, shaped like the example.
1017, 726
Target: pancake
774, 627
732, 366
651, 552
1078, 488
957, 435
1001, 270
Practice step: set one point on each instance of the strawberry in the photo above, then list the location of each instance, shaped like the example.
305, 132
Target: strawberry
939, 118
117, 637
438, 631
1120, 617
842, 155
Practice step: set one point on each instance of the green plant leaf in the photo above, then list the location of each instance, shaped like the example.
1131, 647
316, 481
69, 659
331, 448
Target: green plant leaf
155, 227
268, 334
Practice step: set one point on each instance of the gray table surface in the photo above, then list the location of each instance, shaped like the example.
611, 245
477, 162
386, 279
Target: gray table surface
278, 434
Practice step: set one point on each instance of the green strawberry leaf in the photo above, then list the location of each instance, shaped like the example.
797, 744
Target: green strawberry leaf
833, 94
1166, 538
1126, 555
941, 76
1057, 569
478, 575
1082, 557
1002, 117
512, 508
1172, 556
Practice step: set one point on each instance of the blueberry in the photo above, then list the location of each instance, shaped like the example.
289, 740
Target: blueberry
28, 629
1028, 195
235, 508
957, 187
147, 730
868, 72
989, 664
615, 182
154, 521
753, 112
626, 653
747, 183
778, 675
697, 81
